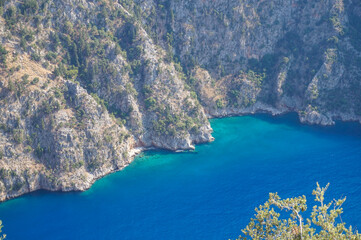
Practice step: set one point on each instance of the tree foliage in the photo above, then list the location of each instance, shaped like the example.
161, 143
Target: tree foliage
324, 222
3, 236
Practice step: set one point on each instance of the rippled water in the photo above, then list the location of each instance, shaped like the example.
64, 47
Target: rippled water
210, 193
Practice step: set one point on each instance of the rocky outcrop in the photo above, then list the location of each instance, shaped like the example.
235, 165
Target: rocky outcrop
311, 116
86, 85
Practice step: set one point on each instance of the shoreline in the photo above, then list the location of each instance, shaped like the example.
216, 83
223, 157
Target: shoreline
329, 119
134, 152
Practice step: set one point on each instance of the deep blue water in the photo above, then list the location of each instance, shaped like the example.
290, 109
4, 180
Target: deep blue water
207, 194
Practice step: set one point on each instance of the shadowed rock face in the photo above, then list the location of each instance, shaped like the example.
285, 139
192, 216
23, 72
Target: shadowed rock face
85, 85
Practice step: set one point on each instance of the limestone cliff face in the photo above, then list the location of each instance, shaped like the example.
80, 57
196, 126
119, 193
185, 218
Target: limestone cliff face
85, 85
272, 56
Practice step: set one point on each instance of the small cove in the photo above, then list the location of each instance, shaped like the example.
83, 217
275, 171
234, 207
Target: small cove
210, 193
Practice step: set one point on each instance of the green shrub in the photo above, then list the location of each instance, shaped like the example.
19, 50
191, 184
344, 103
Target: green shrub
17, 185
28, 149
150, 103
36, 57
29, 7
108, 138
23, 44
219, 103
50, 56
10, 16
18, 135
3, 55
25, 79
58, 93
39, 151
35, 81
45, 65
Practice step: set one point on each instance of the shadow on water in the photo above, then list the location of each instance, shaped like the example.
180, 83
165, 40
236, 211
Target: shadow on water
352, 129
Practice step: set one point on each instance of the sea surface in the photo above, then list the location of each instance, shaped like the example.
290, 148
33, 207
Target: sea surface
210, 193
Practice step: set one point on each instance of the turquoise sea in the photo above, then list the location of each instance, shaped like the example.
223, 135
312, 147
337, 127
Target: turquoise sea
210, 193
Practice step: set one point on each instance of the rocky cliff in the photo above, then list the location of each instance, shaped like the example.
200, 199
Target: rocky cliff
85, 85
